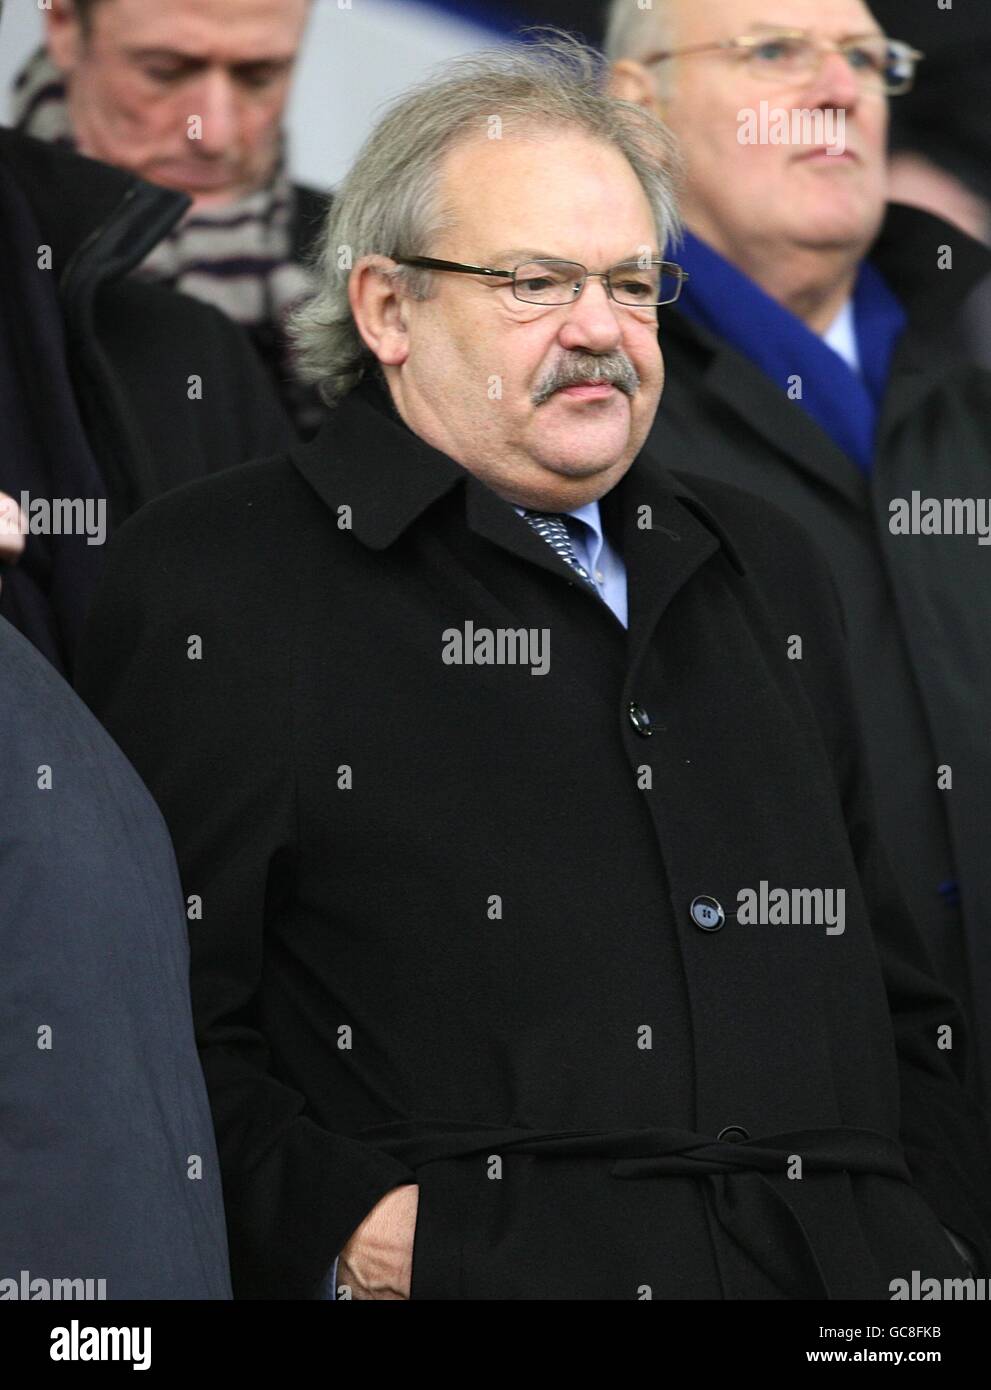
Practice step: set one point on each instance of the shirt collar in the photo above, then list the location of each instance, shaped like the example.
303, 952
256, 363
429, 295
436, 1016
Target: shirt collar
841, 336
590, 514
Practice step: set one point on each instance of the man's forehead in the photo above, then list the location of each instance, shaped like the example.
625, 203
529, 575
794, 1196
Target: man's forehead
730, 18
508, 257
559, 191
225, 30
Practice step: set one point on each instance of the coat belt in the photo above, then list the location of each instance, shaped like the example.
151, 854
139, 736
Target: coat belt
754, 1212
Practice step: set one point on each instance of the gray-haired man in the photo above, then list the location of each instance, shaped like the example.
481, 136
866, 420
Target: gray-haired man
815, 359
475, 1007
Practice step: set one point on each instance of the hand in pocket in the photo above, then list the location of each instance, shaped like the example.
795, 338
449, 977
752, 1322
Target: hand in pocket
377, 1261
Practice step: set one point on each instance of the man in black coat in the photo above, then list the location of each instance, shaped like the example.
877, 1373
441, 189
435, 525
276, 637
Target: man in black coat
546, 947
814, 359
111, 1185
111, 391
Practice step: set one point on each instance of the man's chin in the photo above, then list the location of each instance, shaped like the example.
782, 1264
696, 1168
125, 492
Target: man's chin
583, 458
205, 193
602, 466
585, 426
839, 217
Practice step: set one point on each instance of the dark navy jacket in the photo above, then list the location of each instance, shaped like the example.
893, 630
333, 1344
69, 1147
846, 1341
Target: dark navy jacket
105, 1120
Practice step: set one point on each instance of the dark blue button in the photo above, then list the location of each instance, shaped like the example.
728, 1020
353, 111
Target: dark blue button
640, 720
707, 913
949, 891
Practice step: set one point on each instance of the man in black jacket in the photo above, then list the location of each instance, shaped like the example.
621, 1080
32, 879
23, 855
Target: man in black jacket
814, 360
485, 744
191, 95
111, 391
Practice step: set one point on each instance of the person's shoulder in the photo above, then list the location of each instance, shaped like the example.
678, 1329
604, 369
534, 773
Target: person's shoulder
226, 547
220, 530
48, 730
143, 326
32, 693
265, 491
192, 380
170, 315
778, 552
755, 516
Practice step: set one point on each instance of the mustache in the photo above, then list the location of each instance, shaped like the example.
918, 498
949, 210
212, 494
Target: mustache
581, 368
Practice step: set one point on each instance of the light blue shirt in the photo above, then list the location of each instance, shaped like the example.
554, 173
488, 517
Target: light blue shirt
603, 563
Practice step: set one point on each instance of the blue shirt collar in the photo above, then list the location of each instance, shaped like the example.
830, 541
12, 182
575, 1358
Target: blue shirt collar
589, 514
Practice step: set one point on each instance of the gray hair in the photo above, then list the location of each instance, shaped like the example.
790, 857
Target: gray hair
635, 31
391, 204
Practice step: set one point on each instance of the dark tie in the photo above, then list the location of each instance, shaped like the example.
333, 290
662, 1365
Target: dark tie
552, 527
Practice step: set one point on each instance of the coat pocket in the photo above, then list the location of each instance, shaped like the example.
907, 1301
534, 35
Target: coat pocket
438, 1237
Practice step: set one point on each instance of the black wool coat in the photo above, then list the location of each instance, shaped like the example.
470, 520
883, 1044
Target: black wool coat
116, 390
917, 608
132, 347
442, 925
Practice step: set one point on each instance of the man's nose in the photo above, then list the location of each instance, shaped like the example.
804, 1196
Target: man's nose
593, 320
217, 106
836, 85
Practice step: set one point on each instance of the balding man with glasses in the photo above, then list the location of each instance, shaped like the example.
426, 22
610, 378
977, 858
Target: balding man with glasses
813, 359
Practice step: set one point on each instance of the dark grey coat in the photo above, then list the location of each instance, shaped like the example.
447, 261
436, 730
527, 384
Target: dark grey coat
917, 608
105, 1115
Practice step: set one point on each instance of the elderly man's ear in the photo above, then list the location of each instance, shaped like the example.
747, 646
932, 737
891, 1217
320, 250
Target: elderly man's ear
631, 81
379, 309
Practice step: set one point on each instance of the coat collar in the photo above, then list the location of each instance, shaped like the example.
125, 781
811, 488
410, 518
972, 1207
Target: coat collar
367, 459
86, 209
907, 253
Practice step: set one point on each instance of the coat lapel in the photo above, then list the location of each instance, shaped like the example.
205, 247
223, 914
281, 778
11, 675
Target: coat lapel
366, 460
756, 398
783, 423
667, 535
921, 365
495, 520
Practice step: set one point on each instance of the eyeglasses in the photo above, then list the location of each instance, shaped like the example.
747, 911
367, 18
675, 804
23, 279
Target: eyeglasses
636, 284
793, 55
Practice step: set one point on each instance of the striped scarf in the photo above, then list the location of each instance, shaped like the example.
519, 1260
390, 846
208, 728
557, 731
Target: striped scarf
237, 257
